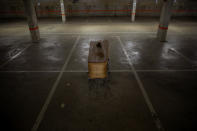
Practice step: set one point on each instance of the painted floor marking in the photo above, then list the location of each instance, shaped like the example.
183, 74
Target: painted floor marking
166, 70
180, 54
51, 93
72, 33
141, 86
85, 71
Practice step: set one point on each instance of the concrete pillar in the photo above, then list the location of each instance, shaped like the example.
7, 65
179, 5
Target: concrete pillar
63, 11
32, 20
133, 11
164, 20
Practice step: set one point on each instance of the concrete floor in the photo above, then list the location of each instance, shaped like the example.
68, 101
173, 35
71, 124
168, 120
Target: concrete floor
53, 75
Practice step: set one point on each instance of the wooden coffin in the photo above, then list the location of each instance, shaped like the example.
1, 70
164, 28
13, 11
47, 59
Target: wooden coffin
98, 59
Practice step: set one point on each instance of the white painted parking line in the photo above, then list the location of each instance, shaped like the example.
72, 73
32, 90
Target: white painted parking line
166, 70
180, 54
15, 56
66, 36
33, 71
141, 86
75, 33
120, 71
52, 91
85, 71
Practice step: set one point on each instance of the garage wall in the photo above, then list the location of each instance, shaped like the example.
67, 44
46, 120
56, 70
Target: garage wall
51, 8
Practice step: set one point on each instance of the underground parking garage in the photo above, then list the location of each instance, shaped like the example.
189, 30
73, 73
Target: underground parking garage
98, 65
